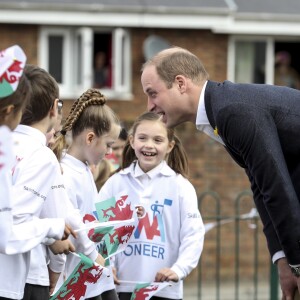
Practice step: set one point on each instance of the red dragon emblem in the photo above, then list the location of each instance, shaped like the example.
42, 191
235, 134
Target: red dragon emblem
143, 293
76, 287
121, 210
10, 75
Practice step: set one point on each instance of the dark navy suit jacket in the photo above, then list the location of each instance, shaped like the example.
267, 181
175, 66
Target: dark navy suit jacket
260, 126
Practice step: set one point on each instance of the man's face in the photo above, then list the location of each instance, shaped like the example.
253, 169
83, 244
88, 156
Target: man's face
162, 100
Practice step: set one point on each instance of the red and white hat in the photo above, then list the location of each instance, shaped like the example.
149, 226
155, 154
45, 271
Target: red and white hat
12, 62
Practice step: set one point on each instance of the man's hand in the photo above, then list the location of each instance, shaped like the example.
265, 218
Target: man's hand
68, 230
60, 247
166, 274
288, 281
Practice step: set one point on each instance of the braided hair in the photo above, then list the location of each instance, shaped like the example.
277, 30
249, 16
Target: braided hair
88, 111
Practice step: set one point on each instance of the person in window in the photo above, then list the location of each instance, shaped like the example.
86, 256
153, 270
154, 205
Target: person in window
101, 71
285, 74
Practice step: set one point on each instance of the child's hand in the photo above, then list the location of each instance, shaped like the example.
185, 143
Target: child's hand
53, 278
67, 231
116, 280
166, 274
100, 260
140, 210
60, 247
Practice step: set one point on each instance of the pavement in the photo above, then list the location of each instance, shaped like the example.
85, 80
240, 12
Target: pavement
227, 291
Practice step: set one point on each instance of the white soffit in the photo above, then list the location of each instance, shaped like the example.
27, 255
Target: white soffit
222, 24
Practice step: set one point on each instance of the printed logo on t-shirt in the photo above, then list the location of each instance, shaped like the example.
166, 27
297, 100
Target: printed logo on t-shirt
153, 228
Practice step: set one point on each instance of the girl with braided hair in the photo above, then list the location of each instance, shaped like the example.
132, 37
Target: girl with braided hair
94, 128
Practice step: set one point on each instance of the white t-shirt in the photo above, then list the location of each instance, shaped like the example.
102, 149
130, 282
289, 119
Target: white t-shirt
83, 193
6, 160
29, 197
171, 234
38, 193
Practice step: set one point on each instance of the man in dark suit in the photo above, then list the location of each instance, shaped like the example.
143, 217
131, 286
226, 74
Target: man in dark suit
259, 125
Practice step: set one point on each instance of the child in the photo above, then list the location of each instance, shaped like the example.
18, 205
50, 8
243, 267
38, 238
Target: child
168, 240
13, 97
40, 192
94, 129
15, 92
117, 149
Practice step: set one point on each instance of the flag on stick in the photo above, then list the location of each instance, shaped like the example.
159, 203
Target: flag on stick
112, 210
12, 62
144, 291
75, 286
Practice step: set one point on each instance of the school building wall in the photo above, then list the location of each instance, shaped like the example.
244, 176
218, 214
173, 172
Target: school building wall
211, 168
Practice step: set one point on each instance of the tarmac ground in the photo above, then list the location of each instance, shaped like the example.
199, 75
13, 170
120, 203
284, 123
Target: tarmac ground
228, 292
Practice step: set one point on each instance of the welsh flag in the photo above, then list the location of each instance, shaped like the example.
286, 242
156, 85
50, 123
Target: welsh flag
75, 286
144, 291
12, 62
112, 210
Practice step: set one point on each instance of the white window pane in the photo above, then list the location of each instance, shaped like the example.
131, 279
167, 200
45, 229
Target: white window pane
79, 58
250, 62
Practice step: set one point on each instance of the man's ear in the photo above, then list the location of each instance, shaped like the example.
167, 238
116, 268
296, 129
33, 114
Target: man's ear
181, 83
89, 137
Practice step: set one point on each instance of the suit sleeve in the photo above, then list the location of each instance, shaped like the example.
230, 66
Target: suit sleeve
269, 230
252, 134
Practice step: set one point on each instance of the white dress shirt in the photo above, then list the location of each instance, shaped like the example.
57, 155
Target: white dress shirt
202, 122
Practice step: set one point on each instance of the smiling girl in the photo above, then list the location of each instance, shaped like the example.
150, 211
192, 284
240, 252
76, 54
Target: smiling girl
167, 242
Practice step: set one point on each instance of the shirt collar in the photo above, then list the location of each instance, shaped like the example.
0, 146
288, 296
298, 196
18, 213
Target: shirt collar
33, 132
202, 122
74, 163
201, 118
151, 174
136, 171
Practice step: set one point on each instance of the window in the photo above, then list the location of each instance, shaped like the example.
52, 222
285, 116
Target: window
251, 57
85, 57
255, 60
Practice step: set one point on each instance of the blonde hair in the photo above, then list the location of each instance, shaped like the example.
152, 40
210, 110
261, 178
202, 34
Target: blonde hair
88, 111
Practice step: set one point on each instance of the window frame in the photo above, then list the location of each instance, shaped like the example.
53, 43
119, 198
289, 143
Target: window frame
269, 64
121, 60
270, 53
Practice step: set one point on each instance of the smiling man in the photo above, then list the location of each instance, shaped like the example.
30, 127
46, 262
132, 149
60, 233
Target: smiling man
259, 126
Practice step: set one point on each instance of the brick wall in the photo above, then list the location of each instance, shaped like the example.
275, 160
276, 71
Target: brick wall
211, 166
26, 36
